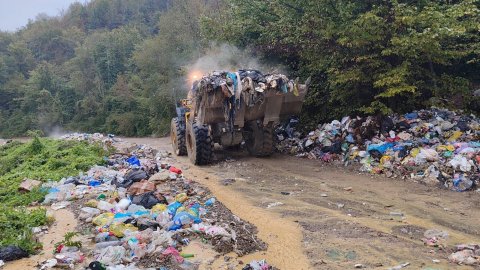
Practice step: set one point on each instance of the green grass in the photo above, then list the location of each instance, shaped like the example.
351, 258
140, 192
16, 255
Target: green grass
16, 227
40, 159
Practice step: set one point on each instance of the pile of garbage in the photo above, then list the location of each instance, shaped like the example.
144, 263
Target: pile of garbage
245, 82
143, 212
466, 254
430, 146
248, 87
91, 138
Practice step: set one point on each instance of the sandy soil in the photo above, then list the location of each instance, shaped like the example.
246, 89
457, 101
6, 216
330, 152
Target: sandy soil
334, 218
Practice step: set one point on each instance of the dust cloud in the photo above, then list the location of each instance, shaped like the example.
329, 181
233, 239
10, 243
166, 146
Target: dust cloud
226, 57
55, 132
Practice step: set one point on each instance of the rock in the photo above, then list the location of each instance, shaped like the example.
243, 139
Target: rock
359, 266
228, 181
28, 184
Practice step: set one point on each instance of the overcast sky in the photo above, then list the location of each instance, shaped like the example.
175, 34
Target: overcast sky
15, 13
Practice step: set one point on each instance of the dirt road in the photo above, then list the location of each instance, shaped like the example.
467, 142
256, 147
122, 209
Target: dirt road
321, 217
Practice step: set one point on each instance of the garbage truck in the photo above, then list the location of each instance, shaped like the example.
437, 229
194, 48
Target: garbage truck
230, 108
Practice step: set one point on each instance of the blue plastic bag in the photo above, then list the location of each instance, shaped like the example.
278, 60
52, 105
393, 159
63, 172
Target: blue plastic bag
133, 160
382, 147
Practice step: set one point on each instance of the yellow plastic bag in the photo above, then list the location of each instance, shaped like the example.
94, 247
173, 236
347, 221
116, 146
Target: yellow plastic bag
182, 197
385, 159
414, 152
92, 203
118, 229
103, 219
457, 134
158, 208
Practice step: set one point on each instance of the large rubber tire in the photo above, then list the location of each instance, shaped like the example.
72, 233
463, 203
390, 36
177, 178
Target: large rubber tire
177, 135
199, 145
259, 142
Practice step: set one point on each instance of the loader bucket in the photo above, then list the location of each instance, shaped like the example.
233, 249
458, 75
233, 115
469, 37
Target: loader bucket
273, 106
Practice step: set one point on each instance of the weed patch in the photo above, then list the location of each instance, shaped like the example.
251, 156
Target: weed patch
44, 160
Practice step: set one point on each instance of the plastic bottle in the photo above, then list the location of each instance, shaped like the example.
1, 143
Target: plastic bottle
103, 245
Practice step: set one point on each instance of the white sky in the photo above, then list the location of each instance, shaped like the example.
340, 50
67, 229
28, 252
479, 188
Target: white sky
15, 13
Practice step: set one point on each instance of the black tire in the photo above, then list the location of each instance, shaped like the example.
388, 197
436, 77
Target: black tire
177, 135
259, 140
199, 144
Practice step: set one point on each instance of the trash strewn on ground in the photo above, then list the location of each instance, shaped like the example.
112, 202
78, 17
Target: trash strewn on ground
435, 238
466, 254
143, 211
429, 146
95, 137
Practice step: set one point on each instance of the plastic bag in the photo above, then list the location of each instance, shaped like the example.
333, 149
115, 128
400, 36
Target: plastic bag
175, 170
11, 253
141, 187
173, 252
119, 229
69, 257
163, 218
88, 213
131, 177
138, 250
182, 197
148, 200
112, 255
455, 136
158, 208
173, 207
133, 160
103, 219
462, 183
122, 204
461, 162
105, 206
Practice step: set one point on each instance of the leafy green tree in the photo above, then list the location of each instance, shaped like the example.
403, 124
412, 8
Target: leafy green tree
365, 56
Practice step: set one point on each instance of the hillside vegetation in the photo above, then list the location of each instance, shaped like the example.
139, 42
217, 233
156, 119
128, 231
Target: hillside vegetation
118, 66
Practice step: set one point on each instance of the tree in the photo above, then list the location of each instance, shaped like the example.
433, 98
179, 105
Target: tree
365, 56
